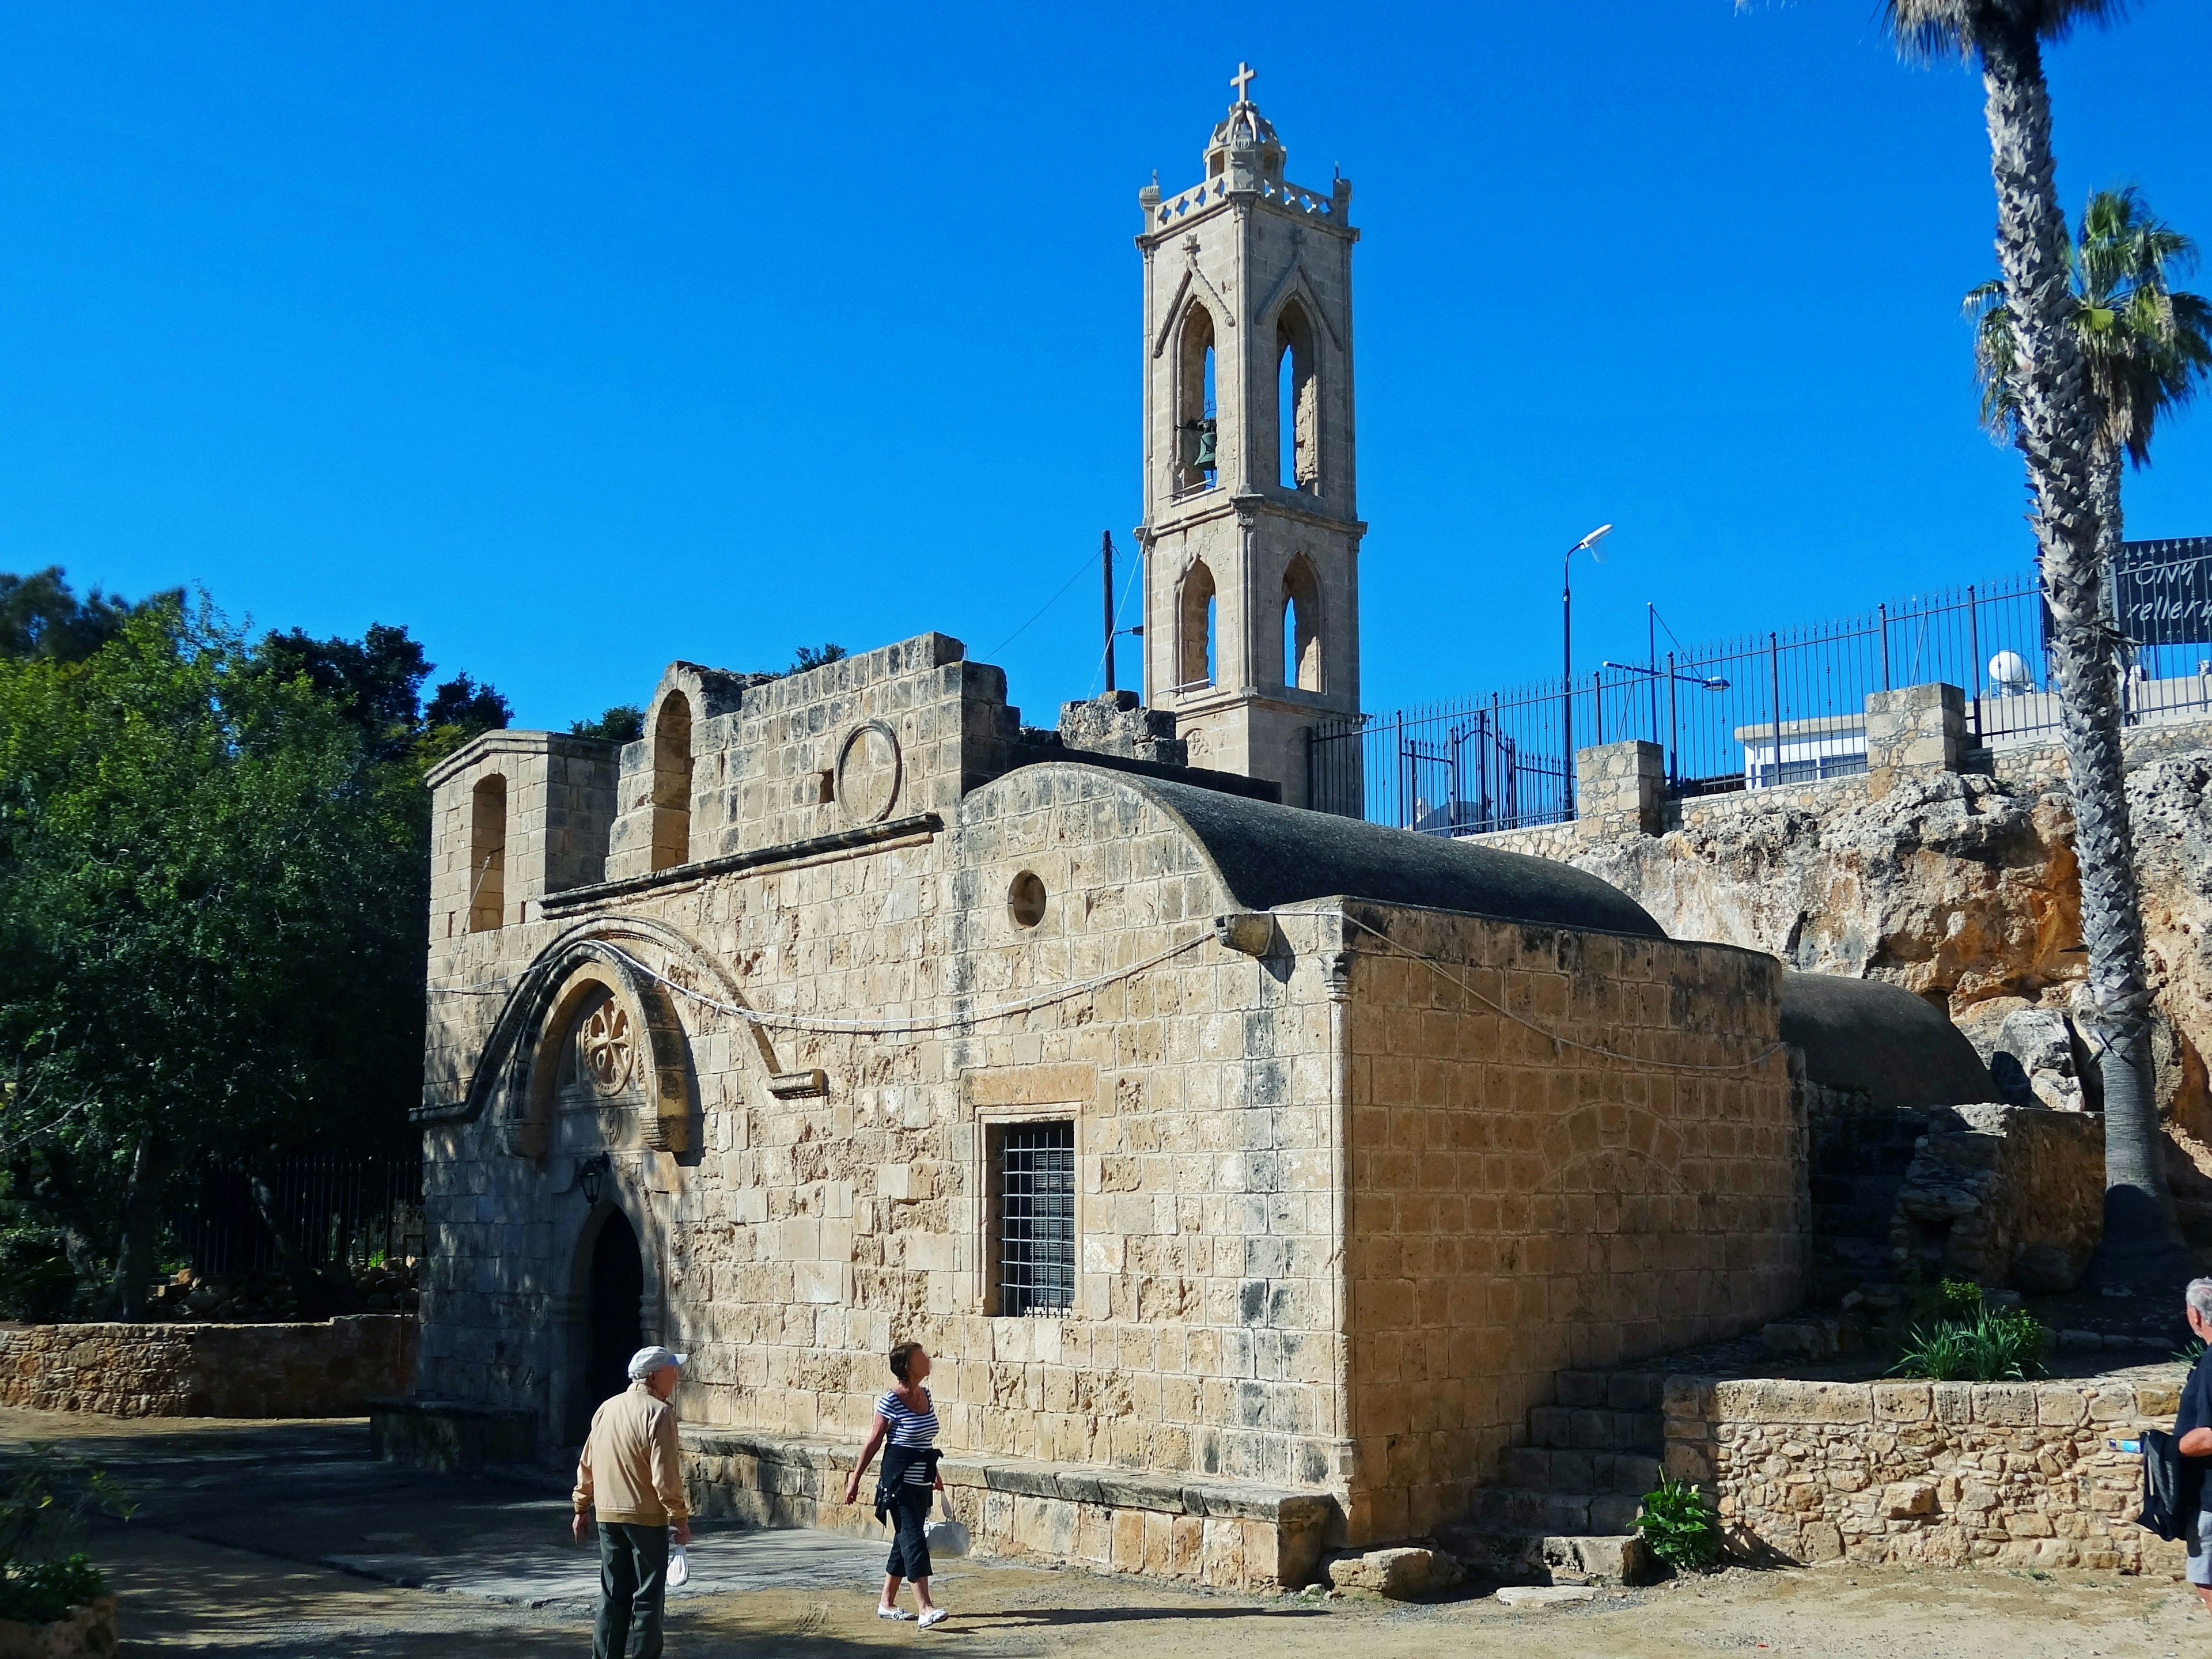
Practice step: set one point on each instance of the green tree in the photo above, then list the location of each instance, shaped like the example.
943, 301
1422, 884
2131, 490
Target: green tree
39, 617
210, 912
623, 723
2056, 431
2147, 345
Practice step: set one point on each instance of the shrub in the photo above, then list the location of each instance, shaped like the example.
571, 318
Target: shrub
1679, 1523
46, 1590
37, 1284
44, 1501
1990, 1348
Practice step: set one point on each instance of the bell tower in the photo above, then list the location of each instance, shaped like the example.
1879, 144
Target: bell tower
1251, 530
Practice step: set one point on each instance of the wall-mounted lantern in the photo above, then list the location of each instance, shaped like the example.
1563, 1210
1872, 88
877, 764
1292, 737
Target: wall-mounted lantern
590, 1172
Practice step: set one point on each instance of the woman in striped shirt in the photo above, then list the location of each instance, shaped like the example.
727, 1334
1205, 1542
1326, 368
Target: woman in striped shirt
906, 1429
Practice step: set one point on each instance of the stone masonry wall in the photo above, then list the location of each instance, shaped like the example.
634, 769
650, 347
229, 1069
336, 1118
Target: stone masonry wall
802, 1234
2014, 1474
329, 1369
1521, 1205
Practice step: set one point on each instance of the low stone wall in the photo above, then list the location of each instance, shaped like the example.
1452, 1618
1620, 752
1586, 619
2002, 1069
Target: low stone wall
328, 1368
2009, 1196
1228, 1533
1928, 1474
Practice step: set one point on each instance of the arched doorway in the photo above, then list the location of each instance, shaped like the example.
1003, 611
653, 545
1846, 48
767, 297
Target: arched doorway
614, 1322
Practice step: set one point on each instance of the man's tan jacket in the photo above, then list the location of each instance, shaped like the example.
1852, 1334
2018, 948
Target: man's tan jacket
630, 1471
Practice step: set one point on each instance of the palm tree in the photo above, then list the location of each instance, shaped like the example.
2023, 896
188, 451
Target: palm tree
2056, 430
2147, 347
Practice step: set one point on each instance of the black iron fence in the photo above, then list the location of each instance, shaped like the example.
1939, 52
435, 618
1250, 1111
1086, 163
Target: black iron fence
336, 1211
1787, 706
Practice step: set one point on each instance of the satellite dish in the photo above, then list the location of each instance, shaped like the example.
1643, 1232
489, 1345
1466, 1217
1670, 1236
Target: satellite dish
2008, 673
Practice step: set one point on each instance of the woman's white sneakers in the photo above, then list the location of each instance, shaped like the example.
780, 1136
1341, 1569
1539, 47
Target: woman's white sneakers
934, 1616
882, 1612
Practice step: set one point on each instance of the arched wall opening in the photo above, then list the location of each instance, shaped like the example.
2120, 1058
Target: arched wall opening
1301, 626
1195, 633
614, 1316
488, 854
1197, 428
672, 783
1298, 402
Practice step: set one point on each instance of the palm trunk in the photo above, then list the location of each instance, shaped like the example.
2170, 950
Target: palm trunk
2142, 1242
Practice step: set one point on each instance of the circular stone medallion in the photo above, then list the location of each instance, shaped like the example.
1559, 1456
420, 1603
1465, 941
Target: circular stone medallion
868, 773
606, 1045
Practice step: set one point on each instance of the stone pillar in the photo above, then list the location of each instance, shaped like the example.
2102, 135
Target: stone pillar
1915, 728
1619, 788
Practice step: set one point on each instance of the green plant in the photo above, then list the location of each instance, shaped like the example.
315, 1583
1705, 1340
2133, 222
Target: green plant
46, 1500
1679, 1523
37, 1284
47, 1590
2190, 1351
1990, 1347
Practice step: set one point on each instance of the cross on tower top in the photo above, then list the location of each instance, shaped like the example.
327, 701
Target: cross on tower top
1243, 79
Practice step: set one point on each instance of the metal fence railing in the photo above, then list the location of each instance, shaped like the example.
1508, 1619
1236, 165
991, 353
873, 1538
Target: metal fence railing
1787, 706
338, 1211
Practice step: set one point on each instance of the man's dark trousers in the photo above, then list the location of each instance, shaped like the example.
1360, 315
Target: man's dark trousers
632, 1584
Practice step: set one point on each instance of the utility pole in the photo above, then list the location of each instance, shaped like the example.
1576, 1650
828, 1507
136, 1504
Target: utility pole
1106, 568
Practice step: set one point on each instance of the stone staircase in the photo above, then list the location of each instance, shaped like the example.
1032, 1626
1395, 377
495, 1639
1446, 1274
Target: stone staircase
1564, 1507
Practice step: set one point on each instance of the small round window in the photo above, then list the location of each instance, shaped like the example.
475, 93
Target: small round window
1025, 900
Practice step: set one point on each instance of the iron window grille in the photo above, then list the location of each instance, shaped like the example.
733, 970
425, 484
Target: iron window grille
1035, 1176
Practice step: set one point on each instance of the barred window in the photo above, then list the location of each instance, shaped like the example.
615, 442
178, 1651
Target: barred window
1033, 1183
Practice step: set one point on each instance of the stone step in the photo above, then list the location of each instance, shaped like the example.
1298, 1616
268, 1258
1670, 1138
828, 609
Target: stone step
1620, 1391
1535, 1559
1543, 1469
1574, 1428
1519, 1512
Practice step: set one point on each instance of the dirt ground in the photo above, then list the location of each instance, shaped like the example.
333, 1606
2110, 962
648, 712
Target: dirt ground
227, 1555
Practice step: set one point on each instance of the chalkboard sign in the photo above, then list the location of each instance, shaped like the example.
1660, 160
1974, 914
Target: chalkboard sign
2164, 590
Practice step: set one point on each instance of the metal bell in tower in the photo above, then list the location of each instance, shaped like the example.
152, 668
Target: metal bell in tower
1204, 461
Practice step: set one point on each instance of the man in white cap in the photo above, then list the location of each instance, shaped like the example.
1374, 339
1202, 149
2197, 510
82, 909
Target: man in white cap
632, 1476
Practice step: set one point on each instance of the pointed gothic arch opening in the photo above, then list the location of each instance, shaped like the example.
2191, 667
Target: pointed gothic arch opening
1302, 626
488, 854
1197, 428
1195, 633
672, 783
1298, 402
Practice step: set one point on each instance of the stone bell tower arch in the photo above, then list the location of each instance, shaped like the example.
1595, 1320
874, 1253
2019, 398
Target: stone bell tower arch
1252, 529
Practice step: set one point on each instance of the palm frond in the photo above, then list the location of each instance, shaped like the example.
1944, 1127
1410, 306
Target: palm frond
2054, 20
1930, 29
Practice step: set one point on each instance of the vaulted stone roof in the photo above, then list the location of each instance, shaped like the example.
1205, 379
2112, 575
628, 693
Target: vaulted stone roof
1863, 1034
1270, 856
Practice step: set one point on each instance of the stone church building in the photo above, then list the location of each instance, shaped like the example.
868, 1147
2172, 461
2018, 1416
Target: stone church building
1249, 1169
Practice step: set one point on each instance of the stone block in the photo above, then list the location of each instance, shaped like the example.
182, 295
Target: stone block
1402, 1575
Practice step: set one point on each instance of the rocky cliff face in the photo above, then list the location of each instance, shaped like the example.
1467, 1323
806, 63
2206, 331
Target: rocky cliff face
1964, 889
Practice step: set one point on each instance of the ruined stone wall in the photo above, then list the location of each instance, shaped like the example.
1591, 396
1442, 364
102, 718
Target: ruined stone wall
1928, 1474
1521, 1207
330, 1368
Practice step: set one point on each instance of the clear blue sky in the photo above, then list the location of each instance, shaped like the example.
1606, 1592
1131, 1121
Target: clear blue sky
581, 338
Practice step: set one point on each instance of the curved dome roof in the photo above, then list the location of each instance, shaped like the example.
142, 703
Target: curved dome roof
1863, 1034
1270, 856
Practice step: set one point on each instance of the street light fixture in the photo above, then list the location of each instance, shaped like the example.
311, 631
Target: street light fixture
1588, 544
1713, 683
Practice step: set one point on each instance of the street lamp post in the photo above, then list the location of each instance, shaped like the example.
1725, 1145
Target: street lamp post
1671, 675
1588, 544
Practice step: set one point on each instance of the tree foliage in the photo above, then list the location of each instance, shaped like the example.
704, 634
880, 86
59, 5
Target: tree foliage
214, 870
39, 617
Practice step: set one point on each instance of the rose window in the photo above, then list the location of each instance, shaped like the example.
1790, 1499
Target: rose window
606, 1044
